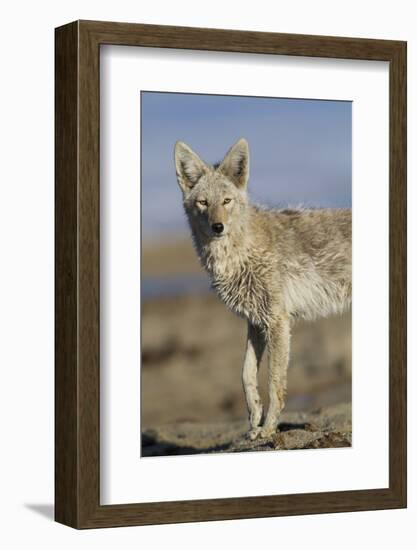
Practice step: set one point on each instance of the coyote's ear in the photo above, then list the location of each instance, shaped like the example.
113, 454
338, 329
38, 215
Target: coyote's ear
188, 165
235, 164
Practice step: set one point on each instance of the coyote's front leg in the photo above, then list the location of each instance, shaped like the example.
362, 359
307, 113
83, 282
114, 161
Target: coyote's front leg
254, 351
279, 351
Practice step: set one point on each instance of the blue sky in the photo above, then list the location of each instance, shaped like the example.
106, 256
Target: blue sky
300, 150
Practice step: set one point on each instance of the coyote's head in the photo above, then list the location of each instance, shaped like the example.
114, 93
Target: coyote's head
215, 197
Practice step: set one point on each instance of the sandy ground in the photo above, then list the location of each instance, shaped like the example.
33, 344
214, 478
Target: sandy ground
322, 428
192, 353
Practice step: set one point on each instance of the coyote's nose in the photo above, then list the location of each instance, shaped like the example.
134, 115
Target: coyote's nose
217, 228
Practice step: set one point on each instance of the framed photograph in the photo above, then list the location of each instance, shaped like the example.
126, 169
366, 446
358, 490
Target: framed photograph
230, 274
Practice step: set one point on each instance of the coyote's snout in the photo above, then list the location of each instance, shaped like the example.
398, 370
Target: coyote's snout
269, 266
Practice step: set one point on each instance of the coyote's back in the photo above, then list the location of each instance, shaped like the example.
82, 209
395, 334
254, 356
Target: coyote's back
315, 262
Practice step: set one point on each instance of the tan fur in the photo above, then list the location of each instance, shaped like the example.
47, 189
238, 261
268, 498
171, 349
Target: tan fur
269, 266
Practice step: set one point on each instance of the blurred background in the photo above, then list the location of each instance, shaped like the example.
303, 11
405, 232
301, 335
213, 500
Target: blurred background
192, 346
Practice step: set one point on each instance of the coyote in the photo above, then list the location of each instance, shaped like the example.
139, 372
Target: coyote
270, 266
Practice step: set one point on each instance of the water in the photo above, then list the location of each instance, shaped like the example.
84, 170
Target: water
176, 285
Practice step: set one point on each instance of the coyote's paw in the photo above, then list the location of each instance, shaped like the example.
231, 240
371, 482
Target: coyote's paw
266, 433
260, 433
253, 433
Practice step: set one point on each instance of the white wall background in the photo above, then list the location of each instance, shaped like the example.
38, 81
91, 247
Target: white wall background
26, 271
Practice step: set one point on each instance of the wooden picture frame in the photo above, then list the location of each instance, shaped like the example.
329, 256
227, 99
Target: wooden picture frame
77, 374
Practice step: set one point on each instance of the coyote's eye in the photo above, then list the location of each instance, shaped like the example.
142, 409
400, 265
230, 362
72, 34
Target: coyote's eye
202, 202
226, 201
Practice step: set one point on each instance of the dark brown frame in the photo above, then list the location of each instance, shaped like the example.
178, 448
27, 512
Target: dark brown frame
77, 274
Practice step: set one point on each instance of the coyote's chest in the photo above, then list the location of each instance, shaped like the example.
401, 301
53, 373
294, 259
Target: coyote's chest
241, 284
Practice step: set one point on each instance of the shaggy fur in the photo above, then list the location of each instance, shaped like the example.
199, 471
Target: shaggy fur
268, 266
